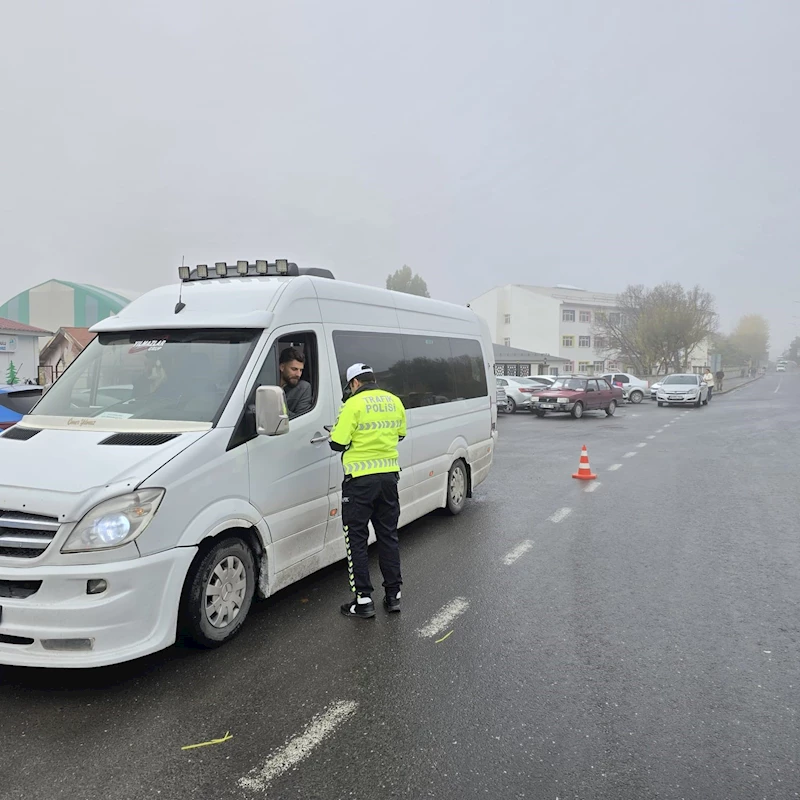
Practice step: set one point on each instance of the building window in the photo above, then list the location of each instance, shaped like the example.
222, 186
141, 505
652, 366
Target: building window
600, 343
507, 342
586, 316
584, 341
615, 318
507, 319
569, 367
568, 341
583, 366
567, 315
598, 366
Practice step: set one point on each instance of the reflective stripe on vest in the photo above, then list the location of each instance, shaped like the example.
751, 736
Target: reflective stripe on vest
355, 467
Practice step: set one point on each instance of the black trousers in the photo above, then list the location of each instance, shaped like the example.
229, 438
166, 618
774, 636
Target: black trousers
372, 498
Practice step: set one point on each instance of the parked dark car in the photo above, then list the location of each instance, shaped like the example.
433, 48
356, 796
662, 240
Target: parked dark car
577, 394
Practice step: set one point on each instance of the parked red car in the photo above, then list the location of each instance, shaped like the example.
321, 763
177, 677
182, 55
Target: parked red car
577, 394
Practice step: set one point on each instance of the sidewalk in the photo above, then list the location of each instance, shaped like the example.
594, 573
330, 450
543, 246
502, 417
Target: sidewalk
732, 384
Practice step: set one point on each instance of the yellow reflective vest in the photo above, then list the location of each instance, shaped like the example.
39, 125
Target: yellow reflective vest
370, 425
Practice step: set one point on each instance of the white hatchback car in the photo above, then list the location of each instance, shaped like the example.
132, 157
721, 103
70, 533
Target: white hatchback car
683, 390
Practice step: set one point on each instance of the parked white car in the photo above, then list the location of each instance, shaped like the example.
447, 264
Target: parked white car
683, 390
633, 389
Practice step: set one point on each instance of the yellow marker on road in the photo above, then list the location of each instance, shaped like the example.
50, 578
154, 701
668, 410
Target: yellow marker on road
205, 744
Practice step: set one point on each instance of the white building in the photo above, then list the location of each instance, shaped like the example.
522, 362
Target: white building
19, 351
557, 319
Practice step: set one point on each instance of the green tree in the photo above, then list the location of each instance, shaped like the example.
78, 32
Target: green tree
404, 280
724, 346
751, 336
794, 349
657, 328
11, 374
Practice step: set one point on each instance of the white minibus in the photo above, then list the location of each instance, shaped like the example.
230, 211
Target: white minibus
159, 485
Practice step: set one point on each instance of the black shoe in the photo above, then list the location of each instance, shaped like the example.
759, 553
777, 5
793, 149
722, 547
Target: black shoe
352, 608
391, 602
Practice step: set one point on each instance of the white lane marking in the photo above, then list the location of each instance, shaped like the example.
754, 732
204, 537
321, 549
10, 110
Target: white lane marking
299, 747
642, 444
629, 455
517, 552
560, 515
614, 467
593, 487
778, 386
660, 430
442, 620
651, 437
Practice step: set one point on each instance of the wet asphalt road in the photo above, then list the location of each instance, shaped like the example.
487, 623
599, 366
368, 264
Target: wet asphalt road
644, 645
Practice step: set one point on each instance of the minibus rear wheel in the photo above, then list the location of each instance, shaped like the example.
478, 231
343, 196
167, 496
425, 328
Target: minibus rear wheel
218, 593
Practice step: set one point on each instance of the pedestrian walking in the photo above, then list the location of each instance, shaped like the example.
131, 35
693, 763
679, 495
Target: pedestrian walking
708, 379
720, 376
370, 425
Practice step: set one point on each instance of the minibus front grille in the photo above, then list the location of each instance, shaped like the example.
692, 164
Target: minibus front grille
25, 535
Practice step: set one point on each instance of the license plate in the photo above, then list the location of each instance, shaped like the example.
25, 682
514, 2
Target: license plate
675, 397
547, 405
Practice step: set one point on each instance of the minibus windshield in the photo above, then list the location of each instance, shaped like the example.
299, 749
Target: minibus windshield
183, 375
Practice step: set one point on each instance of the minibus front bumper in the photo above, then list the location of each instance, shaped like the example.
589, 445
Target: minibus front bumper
93, 615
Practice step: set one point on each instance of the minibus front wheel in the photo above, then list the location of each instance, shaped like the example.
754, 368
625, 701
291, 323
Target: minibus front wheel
218, 593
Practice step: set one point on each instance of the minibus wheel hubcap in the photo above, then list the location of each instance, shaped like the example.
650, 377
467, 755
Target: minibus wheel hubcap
225, 592
457, 486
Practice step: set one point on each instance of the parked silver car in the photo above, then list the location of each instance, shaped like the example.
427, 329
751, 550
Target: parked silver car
519, 392
502, 400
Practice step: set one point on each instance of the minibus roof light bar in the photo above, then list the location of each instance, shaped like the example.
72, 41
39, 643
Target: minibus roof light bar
281, 267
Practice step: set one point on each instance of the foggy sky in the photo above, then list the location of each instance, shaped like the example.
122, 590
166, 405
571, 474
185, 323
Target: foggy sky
596, 144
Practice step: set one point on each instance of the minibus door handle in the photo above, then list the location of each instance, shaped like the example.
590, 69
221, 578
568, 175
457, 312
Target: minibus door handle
319, 438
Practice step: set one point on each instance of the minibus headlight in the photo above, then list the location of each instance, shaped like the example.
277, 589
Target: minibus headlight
114, 522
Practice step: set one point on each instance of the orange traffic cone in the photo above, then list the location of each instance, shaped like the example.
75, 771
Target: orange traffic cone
584, 472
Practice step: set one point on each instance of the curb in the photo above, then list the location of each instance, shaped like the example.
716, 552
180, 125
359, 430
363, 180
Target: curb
739, 385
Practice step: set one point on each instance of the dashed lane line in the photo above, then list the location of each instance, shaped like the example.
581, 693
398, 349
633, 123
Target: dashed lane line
642, 444
630, 455
517, 552
593, 487
441, 621
614, 467
560, 515
651, 437
299, 747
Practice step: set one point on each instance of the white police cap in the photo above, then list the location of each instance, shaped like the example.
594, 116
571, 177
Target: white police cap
356, 370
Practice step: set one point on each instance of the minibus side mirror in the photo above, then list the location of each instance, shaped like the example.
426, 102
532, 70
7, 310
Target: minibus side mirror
272, 414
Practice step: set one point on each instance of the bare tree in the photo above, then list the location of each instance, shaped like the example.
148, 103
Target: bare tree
657, 329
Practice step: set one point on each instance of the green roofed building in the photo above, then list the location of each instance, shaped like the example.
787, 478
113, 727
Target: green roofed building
62, 304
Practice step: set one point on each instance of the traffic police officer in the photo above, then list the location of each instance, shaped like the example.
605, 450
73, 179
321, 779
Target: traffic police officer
371, 423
